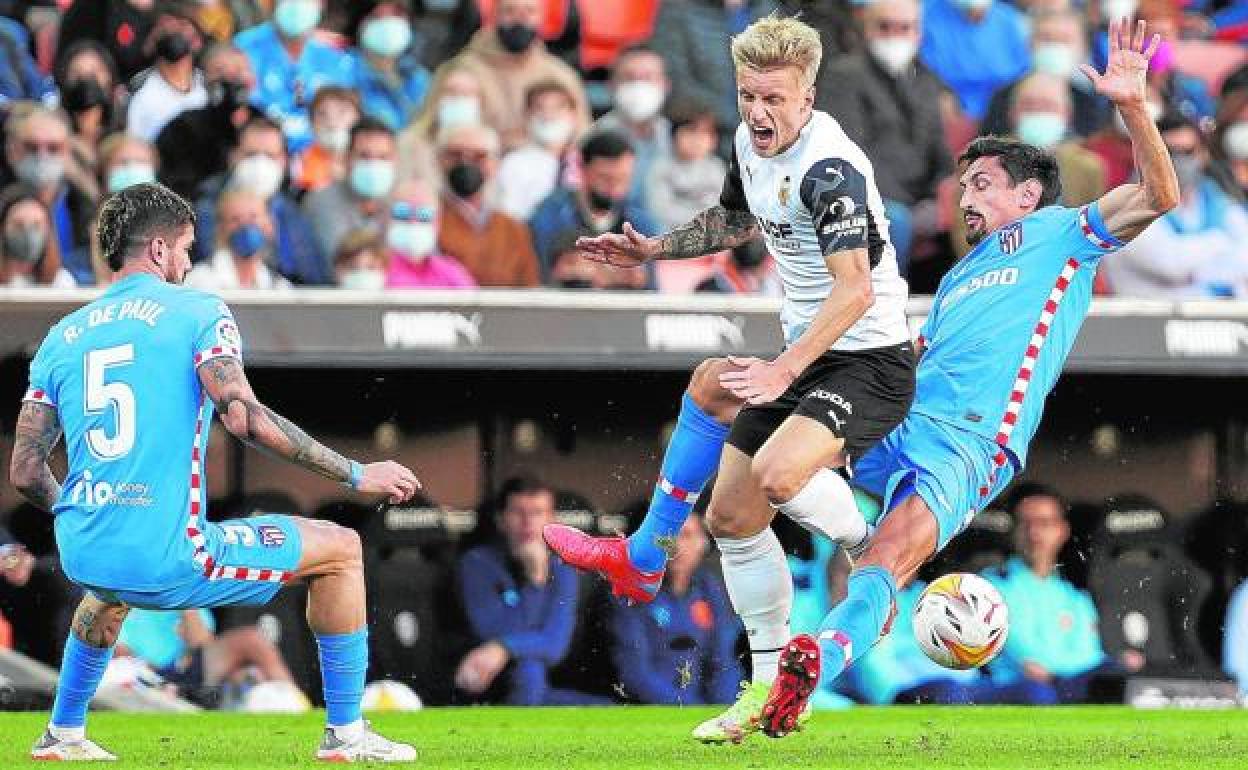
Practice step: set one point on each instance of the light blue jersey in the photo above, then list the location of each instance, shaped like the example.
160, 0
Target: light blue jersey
1003, 321
121, 373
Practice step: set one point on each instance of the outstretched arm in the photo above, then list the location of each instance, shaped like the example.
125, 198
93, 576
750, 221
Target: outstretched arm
1129, 208
259, 426
38, 430
713, 230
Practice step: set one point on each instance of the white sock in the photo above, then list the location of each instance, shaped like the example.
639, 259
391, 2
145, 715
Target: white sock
349, 733
69, 734
756, 573
826, 506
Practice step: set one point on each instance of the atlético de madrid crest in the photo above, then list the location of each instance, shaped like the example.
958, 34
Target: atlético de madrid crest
1011, 237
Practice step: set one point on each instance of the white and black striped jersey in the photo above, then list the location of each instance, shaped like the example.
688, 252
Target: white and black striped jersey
819, 197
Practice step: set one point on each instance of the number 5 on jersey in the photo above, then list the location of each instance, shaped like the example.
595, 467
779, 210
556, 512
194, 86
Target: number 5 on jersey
97, 396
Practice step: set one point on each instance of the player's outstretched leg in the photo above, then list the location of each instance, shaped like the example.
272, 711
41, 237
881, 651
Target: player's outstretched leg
333, 565
87, 652
906, 539
634, 566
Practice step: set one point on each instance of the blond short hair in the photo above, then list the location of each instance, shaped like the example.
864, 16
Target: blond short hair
779, 41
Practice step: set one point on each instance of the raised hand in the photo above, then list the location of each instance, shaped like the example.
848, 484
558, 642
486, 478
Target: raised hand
629, 249
1124, 81
390, 480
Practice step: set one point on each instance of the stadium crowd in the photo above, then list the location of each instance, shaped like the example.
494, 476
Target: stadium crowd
380, 144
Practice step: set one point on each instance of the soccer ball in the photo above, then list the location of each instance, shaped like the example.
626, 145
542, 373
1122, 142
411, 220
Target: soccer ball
961, 621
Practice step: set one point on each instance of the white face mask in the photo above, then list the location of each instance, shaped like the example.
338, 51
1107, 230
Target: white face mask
1054, 59
365, 280
334, 139
1118, 9
551, 132
1043, 129
458, 111
1235, 140
258, 173
414, 240
639, 100
895, 54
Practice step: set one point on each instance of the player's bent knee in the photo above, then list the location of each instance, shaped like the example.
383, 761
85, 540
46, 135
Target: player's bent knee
709, 395
723, 521
780, 481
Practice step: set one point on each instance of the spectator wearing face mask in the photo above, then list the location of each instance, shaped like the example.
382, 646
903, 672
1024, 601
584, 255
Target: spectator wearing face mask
530, 172
1058, 47
334, 111
749, 269
245, 245
361, 262
888, 102
29, 255
601, 204
1197, 249
457, 103
689, 180
975, 47
507, 56
121, 25
412, 241
291, 65
495, 248
639, 88
389, 77
1112, 145
173, 85
20, 77
359, 199
258, 165
37, 150
87, 79
126, 160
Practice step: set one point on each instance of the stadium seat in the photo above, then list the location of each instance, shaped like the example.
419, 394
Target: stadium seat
985, 543
403, 627
607, 28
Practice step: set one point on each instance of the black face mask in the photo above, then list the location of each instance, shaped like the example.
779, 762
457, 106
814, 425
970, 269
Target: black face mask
516, 37
601, 202
172, 46
82, 94
465, 179
576, 283
749, 254
229, 94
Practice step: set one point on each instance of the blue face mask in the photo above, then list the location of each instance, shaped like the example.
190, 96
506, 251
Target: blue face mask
296, 18
372, 178
247, 240
388, 36
128, 175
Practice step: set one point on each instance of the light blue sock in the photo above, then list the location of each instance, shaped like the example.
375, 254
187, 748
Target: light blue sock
344, 664
82, 668
691, 459
854, 625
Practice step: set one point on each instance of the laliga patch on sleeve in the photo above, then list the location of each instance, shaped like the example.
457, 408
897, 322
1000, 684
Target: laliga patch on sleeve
227, 334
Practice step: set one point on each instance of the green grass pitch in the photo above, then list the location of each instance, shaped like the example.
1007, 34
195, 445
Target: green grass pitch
619, 738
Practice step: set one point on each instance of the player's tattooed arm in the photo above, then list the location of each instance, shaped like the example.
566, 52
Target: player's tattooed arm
38, 430
713, 230
251, 421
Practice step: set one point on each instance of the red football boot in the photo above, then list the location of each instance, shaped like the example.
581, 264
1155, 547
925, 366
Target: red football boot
796, 680
608, 556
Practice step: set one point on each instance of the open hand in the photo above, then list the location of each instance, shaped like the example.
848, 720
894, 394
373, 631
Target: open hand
1124, 81
390, 480
627, 249
481, 667
756, 381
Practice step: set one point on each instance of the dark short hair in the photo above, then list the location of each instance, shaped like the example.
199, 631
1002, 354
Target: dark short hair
547, 86
135, 216
605, 144
261, 122
369, 125
524, 484
1029, 489
688, 112
1021, 162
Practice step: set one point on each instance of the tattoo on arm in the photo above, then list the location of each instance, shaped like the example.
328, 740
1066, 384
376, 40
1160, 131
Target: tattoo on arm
713, 230
263, 428
38, 430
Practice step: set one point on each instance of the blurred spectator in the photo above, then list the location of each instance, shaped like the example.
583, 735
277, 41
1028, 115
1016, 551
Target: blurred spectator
213, 129
1053, 625
521, 604
974, 46
639, 88
121, 25
496, 249
20, 77
35, 596
1113, 146
507, 57
443, 27
335, 110
361, 261
458, 103
1235, 641
258, 164
245, 243
571, 270
838, 22
1058, 47
888, 102
692, 38
37, 150
91, 96
412, 238
291, 64
602, 203
173, 84
125, 160
530, 172
1196, 250
749, 269
29, 255
687, 181
185, 649
680, 648
389, 77
359, 199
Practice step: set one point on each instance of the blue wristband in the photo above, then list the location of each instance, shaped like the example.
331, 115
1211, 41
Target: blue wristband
357, 475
